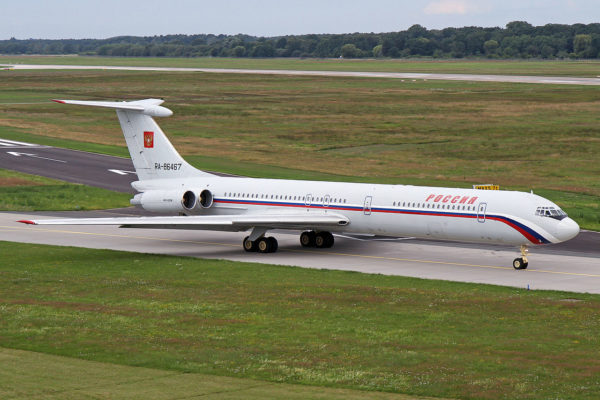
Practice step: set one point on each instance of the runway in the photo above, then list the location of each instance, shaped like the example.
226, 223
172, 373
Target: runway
549, 269
554, 80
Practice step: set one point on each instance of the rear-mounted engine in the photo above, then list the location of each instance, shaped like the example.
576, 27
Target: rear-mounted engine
173, 200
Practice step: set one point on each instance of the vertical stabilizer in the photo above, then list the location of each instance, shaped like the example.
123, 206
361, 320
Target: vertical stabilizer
153, 155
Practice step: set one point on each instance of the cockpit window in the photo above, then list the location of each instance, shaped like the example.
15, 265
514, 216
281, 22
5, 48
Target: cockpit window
551, 212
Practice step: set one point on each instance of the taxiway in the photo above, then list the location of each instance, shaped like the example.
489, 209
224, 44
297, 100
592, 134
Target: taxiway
549, 268
555, 80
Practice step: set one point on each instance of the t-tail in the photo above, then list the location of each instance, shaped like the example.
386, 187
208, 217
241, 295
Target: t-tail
153, 155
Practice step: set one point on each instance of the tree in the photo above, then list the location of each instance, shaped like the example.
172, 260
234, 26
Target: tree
239, 51
491, 47
518, 28
582, 46
378, 51
350, 51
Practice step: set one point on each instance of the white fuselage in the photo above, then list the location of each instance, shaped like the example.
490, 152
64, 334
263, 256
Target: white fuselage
487, 216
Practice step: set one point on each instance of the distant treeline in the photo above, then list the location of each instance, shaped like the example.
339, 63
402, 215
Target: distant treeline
518, 40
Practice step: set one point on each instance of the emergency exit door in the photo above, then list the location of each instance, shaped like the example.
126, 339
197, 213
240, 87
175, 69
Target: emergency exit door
481, 212
367, 206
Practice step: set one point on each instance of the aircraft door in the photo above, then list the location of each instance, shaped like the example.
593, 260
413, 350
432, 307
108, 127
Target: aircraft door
367, 206
481, 212
308, 200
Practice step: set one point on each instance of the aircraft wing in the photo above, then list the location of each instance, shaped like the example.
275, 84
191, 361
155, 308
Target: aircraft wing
210, 222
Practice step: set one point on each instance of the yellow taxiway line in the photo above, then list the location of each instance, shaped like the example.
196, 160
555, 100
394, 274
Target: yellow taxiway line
324, 252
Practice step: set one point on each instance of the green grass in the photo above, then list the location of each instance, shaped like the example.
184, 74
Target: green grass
539, 137
300, 326
29, 375
24, 192
509, 67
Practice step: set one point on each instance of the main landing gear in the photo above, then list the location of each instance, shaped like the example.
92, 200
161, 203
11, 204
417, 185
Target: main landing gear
521, 262
321, 240
262, 244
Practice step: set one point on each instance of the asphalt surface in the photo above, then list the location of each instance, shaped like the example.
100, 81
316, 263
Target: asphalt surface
556, 270
99, 170
555, 80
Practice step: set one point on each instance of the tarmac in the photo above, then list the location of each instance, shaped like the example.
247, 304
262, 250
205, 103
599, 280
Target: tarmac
554, 80
548, 268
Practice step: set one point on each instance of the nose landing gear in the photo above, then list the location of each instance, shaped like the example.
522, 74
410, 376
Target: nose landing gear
521, 262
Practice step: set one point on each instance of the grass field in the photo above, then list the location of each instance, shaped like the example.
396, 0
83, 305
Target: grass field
292, 325
540, 137
24, 192
506, 67
71, 378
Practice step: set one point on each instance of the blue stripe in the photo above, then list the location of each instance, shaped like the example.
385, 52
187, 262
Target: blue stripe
509, 221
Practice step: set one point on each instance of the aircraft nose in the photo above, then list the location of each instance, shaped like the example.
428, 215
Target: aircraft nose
566, 229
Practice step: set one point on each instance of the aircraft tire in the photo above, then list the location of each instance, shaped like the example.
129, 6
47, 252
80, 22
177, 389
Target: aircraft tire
273, 243
518, 263
324, 240
248, 245
307, 239
321, 240
329, 240
263, 245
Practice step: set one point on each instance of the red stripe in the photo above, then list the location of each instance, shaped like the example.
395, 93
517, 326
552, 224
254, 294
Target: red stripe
523, 232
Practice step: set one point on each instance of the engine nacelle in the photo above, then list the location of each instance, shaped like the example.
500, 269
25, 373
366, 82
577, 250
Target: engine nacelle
206, 199
173, 201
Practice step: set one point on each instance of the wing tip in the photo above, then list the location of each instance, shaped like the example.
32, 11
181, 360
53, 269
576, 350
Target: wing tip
26, 221
58, 101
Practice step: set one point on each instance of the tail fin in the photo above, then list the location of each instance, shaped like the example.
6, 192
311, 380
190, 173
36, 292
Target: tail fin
153, 156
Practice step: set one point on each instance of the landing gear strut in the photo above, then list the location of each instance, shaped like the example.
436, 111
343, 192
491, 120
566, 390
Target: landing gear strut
261, 245
521, 262
316, 239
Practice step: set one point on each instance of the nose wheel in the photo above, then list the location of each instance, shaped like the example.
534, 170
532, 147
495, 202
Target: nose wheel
521, 262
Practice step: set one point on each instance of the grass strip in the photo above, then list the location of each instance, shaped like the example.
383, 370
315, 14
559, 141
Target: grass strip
300, 326
29, 375
24, 192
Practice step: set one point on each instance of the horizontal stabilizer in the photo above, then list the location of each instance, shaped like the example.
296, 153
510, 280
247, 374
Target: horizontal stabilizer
149, 107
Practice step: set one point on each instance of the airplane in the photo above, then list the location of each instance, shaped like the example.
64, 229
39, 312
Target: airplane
199, 200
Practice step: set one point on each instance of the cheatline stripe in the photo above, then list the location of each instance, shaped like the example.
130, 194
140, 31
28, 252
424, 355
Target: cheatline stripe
5, 142
531, 235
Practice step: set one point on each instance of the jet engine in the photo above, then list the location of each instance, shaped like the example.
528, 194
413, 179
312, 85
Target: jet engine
173, 201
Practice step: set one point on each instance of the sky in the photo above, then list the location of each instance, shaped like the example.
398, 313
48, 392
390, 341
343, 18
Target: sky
77, 19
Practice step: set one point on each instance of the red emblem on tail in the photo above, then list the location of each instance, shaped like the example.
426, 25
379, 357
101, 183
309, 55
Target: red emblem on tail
149, 139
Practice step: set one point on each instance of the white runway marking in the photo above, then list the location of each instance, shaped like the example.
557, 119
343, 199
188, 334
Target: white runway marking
16, 154
121, 172
13, 143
